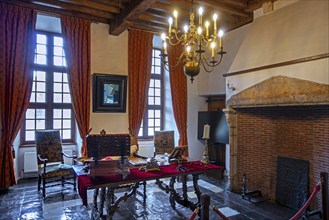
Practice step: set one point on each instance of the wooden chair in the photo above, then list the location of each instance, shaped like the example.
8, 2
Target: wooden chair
51, 167
164, 142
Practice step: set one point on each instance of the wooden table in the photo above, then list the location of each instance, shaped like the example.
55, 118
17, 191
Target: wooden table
106, 186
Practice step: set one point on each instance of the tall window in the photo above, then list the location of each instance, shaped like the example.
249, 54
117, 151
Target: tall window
153, 116
50, 103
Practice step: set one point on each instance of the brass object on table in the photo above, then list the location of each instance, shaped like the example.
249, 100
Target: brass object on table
151, 165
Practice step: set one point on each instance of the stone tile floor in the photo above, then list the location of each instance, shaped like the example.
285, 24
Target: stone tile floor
22, 201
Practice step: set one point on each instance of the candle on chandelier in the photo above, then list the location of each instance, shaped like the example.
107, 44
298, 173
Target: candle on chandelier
165, 47
207, 30
214, 17
212, 45
200, 15
170, 23
206, 131
175, 16
220, 34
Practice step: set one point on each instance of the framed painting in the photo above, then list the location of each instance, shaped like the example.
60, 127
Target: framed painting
109, 93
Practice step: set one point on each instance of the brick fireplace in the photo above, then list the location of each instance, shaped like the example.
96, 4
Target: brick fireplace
279, 117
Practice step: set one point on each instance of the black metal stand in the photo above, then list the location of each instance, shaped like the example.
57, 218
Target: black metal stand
249, 193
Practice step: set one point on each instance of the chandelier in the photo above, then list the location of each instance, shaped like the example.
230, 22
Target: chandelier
196, 40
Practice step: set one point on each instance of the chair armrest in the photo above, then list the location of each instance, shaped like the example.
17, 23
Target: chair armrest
44, 160
68, 156
139, 156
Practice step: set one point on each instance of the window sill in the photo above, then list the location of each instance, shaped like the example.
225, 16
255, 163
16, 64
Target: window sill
33, 145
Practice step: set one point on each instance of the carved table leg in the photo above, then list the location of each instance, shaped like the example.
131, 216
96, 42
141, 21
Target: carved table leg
196, 187
109, 203
172, 195
144, 192
102, 199
95, 211
184, 182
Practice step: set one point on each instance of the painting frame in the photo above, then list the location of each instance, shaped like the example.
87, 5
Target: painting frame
109, 92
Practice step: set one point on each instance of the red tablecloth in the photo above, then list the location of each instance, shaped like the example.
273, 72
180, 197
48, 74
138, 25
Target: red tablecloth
85, 182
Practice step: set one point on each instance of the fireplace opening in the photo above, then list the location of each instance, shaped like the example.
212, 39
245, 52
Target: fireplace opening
292, 182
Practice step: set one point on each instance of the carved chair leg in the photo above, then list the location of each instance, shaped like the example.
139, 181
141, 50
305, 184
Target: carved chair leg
43, 188
74, 182
39, 182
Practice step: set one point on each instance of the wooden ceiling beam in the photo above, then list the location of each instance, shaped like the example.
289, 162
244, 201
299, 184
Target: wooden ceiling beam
256, 4
71, 7
94, 5
133, 9
57, 11
217, 5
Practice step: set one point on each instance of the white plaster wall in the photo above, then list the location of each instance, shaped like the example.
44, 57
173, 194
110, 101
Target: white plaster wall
195, 103
301, 29
109, 55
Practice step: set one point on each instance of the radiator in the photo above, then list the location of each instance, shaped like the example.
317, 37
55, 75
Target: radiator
30, 162
68, 160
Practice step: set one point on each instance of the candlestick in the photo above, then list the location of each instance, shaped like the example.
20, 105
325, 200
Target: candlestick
215, 24
207, 30
206, 131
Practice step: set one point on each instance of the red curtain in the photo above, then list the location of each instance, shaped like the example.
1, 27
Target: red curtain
16, 55
139, 72
178, 85
76, 34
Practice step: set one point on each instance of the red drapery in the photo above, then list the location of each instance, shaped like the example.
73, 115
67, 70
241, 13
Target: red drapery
16, 55
178, 85
76, 33
139, 72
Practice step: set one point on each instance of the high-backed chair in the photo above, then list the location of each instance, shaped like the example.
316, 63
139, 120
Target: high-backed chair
51, 167
164, 142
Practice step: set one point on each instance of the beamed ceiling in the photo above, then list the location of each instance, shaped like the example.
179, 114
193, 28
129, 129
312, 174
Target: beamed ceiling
149, 15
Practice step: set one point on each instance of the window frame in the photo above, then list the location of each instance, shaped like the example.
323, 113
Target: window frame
144, 126
49, 105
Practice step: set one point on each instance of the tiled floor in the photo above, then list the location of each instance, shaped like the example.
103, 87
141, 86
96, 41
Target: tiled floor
24, 202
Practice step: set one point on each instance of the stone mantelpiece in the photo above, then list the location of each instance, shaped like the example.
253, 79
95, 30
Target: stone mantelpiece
281, 91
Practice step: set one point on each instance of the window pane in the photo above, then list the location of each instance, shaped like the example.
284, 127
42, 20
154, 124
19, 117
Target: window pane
157, 62
41, 97
157, 128
40, 113
30, 113
66, 87
57, 77
29, 135
66, 123
58, 61
65, 77
157, 53
151, 122
41, 86
57, 97
32, 98
57, 87
41, 49
151, 113
58, 51
58, 41
152, 83
151, 92
41, 124
140, 133
57, 113
157, 113
150, 131
151, 101
66, 134
66, 98
157, 122
41, 59
41, 39
40, 76
157, 83
157, 100
157, 92
57, 124
157, 70
30, 124
66, 113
